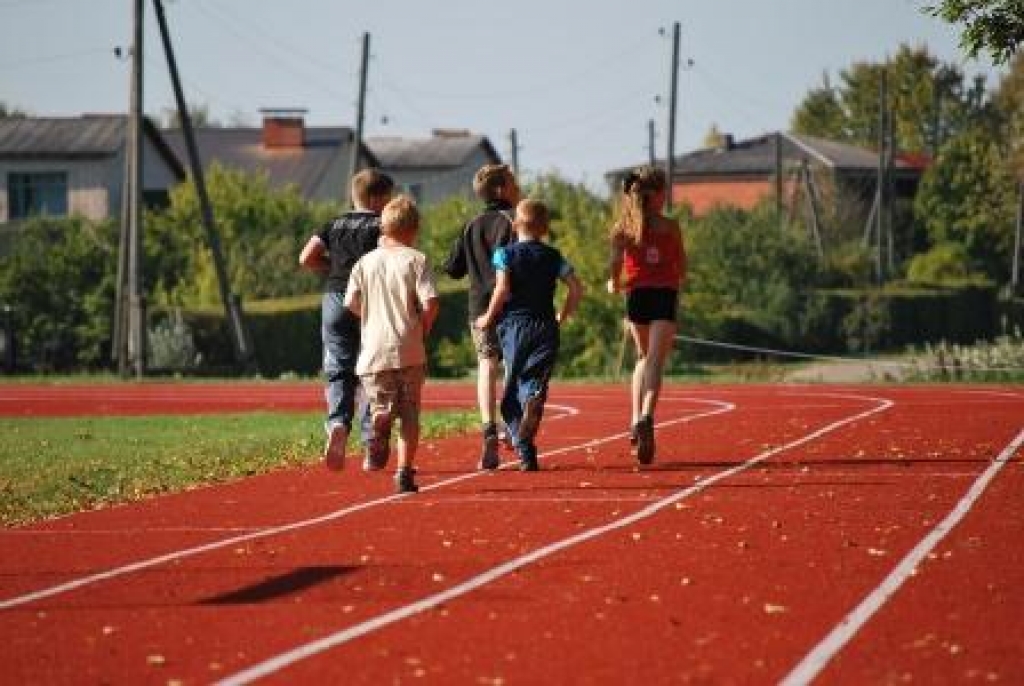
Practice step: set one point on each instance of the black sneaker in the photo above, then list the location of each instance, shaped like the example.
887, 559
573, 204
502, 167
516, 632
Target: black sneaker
645, 440
405, 481
530, 422
489, 459
528, 460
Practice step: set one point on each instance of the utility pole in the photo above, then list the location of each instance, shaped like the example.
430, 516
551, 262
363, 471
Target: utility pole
890, 189
778, 178
650, 142
357, 139
673, 92
1015, 269
119, 346
231, 302
513, 147
880, 193
136, 329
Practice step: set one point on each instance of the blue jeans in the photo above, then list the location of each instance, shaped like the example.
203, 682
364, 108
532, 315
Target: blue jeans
529, 346
339, 331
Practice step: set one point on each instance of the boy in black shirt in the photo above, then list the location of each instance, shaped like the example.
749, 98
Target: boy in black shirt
527, 273
333, 252
471, 256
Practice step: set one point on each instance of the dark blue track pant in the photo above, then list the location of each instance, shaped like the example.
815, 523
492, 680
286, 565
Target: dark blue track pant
529, 346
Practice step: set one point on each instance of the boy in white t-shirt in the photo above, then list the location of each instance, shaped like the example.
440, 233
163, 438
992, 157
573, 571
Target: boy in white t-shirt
392, 290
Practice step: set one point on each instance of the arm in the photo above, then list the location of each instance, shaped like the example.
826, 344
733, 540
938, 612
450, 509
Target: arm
572, 299
429, 315
314, 256
354, 303
614, 267
455, 264
502, 287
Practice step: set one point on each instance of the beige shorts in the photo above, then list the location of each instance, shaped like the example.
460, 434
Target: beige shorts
397, 392
485, 342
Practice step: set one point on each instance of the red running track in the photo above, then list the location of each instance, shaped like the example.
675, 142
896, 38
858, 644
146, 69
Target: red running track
786, 534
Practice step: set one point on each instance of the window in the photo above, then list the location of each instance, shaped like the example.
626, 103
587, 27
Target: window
34, 193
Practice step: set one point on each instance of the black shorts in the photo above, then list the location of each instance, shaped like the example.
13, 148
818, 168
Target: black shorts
645, 305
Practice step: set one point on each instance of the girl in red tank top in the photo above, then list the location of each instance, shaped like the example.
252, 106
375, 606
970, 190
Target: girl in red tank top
648, 262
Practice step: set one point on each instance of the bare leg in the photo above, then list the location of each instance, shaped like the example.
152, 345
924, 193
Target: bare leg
660, 340
640, 334
408, 440
486, 385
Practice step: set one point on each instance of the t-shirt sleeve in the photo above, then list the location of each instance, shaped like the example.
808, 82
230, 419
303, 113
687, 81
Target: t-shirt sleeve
325, 233
355, 282
565, 269
426, 285
500, 260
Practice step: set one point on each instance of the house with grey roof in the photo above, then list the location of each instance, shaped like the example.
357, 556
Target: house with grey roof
435, 168
316, 160
62, 166
742, 173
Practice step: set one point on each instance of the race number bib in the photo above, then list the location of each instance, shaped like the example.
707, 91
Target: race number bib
652, 256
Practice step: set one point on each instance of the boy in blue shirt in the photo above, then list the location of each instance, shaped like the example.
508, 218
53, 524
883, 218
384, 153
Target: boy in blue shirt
527, 273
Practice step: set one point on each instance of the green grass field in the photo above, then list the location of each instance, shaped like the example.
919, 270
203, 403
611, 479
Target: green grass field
50, 467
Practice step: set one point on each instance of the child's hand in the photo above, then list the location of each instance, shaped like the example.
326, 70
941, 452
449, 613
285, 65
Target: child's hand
481, 322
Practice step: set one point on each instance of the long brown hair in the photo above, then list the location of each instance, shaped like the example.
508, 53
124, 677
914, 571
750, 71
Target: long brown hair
638, 187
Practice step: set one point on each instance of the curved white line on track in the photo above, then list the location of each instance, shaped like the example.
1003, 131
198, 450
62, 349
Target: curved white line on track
305, 651
816, 660
305, 523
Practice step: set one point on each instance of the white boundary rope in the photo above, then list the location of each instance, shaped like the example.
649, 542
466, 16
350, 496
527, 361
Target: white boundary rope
835, 358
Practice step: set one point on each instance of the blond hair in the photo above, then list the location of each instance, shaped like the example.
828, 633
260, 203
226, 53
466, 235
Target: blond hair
533, 216
369, 184
399, 215
490, 178
638, 187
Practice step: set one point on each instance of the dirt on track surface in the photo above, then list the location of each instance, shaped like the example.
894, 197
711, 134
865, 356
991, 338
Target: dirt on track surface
847, 534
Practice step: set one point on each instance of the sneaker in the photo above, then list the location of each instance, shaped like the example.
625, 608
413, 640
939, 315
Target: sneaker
528, 460
376, 456
405, 480
530, 422
334, 451
489, 459
645, 440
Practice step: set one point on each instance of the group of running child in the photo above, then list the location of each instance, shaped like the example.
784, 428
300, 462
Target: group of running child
380, 301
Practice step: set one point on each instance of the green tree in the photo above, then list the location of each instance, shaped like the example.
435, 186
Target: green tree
967, 197
995, 26
745, 269
1009, 105
9, 112
930, 102
58, 278
262, 231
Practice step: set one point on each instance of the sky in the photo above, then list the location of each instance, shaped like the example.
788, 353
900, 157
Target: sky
577, 80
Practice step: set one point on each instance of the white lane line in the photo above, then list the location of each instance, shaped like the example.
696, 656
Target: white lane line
313, 648
302, 524
819, 657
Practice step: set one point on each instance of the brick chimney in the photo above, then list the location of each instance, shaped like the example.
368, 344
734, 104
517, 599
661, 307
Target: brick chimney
283, 128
